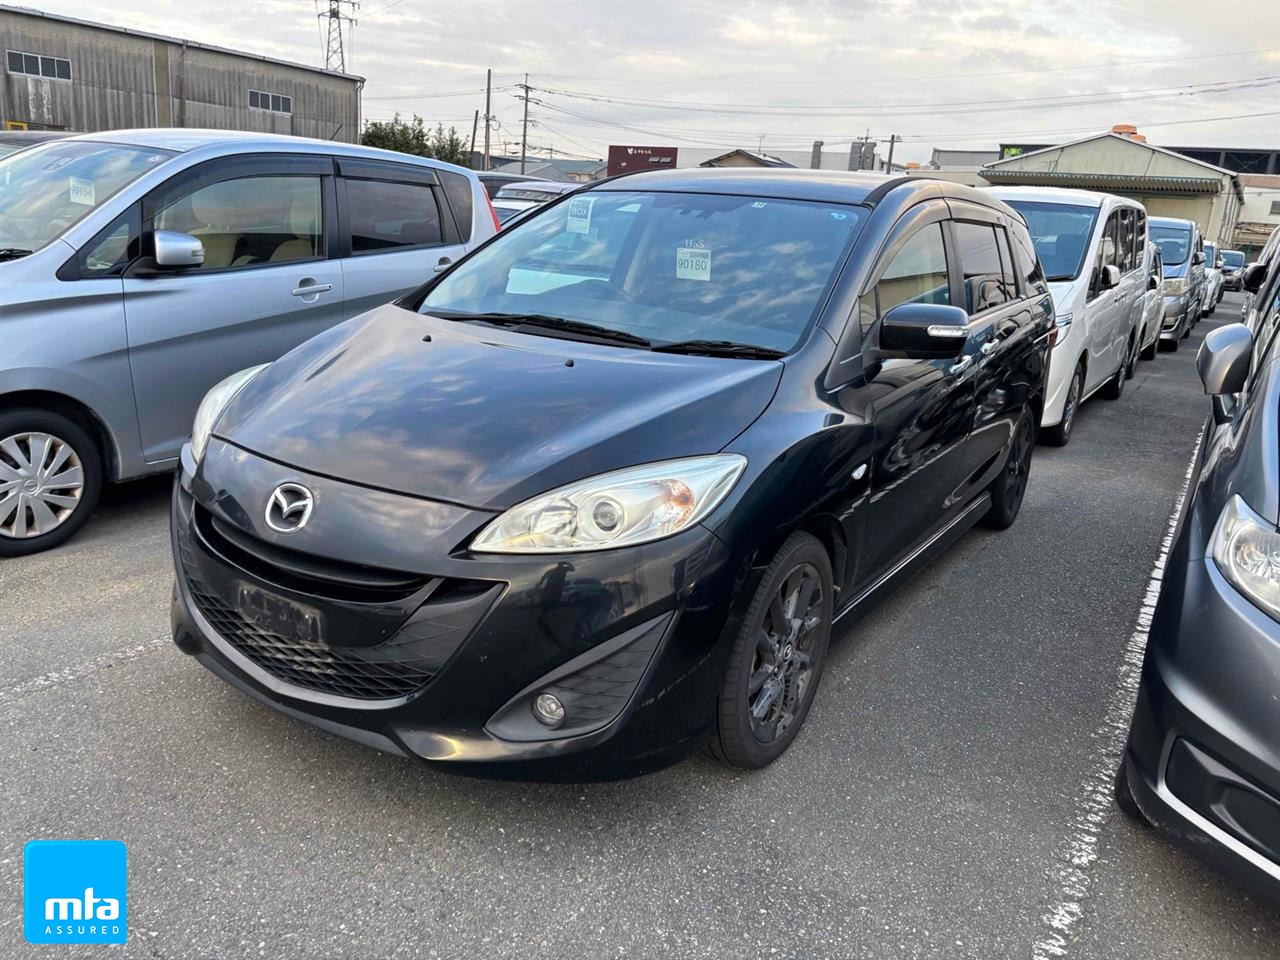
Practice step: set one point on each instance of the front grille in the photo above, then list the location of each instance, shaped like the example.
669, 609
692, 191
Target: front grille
362, 673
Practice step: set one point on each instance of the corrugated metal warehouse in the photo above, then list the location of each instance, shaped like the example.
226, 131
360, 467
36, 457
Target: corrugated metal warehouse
61, 73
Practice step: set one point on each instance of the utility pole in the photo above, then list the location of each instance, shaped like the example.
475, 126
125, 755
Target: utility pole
524, 130
334, 58
888, 165
488, 97
475, 122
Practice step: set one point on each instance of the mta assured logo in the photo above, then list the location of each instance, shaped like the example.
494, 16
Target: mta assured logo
74, 891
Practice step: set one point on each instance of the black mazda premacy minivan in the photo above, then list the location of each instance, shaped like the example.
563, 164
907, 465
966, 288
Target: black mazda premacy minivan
595, 496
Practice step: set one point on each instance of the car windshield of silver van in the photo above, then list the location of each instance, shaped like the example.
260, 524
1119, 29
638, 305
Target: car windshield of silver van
46, 190
1060, 232
1174, 243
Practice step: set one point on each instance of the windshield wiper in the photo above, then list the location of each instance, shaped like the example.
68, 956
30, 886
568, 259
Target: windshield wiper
13, 253
720, 348
1059, 277
548, 323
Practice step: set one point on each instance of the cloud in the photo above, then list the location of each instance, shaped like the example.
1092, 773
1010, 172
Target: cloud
790, 71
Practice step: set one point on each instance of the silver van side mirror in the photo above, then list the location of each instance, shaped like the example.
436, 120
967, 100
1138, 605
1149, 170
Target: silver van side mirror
1109, 279
1223, 364
174, 249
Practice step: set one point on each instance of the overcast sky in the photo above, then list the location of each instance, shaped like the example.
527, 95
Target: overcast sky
713, 74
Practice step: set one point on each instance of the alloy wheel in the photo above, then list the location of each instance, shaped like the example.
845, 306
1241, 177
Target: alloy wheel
1073, 401
1019, 465
783, 666
41, 482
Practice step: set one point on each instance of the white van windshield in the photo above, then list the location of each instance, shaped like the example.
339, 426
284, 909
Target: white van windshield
1060, 232
46, 190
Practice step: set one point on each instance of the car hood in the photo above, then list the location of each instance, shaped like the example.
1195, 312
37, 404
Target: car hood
484, 416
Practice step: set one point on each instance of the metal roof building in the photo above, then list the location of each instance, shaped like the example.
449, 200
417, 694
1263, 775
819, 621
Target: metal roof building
62, 73
1168, 184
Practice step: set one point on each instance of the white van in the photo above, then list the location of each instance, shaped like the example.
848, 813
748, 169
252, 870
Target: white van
1095, 253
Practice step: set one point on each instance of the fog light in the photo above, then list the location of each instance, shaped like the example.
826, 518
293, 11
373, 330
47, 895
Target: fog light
548, 710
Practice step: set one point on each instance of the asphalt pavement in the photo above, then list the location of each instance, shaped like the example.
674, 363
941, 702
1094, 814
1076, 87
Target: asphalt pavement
942, 800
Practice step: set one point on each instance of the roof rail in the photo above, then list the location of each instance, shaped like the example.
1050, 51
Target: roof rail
879, 193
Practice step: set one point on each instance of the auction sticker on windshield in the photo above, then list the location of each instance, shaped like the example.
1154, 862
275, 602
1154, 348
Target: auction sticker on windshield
693, 263
580, 215
82, 191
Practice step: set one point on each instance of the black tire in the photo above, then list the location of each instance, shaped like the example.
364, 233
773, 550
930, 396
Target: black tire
766, 657
1213, 307
1149, 352
1125, 800
15, 424
1059, 435
1131, 365
1009, 487
1113, 389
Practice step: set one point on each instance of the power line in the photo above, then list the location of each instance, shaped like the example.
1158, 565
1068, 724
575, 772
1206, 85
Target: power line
917, 79
913, 109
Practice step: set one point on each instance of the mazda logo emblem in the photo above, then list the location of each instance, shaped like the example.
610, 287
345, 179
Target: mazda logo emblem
289, 507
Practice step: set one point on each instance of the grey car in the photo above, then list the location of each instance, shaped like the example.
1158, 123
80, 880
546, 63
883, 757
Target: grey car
1182, 251
138, 268
1203, 757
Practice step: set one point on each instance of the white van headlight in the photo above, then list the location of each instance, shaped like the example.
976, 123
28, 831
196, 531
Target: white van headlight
1246, 549
625, 507
214, 402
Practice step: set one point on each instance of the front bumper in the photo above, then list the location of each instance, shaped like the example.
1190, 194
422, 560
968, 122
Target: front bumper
442, 659
1203, 757
1176, 314
1232, 281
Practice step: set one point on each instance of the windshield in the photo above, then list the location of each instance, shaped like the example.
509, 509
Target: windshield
8, 148
1174, 243
667, 267
1060, 232
47, 189
1233, 258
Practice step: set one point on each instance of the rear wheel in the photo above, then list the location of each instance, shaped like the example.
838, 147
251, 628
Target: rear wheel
50, 478
1149, 351
777, 658
1060, 433
1008, 489
1113, 389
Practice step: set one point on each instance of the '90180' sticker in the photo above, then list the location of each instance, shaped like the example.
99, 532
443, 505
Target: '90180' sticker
693, 263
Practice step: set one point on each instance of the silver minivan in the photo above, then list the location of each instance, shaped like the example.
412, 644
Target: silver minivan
140, 267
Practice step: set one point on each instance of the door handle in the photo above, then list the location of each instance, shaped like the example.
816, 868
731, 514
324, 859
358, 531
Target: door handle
441, 265
305, 289
961, 366
989, 348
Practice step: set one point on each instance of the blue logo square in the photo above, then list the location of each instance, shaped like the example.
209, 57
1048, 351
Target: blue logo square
74, 891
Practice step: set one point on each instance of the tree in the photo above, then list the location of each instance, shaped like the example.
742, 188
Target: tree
413, 137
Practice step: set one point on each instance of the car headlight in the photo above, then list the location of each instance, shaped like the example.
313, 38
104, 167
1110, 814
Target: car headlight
214, 402
1246, 549
1175, 286
625, 507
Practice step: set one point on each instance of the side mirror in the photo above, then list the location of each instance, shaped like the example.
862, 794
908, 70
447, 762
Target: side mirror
174, 249
1197, 257
1153, 282
1223, 362
1110, 277
1254, 274
925, 331
1220, 263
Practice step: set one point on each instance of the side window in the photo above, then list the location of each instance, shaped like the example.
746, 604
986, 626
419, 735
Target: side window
1140, 235
386, 215
1124, 242
457, 190
253, 221
1009, 272
115, 246
1024, 253
1110, 244
985, 284
917, 273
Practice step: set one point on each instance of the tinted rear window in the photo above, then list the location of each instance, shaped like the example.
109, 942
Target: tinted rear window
385, 215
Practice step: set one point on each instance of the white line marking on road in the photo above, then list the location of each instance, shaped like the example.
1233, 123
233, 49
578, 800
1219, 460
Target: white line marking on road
79, 671
1076, 856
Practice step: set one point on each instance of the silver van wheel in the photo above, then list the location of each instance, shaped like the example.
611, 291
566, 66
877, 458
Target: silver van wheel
41, 482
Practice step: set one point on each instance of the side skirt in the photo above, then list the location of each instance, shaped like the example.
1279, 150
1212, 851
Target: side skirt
905, 568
